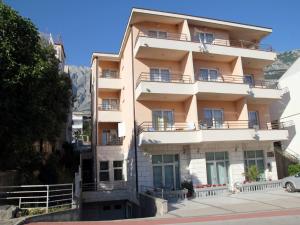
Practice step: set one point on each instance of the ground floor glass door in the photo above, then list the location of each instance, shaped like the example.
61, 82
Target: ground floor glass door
217, 164
166, 171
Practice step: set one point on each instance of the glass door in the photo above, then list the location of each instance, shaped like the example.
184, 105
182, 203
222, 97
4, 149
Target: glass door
208, 74
162, 120
248, 79
253, 119
213, 118
217, 165
158, 74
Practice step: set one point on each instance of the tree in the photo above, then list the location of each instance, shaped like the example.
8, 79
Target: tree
35, 95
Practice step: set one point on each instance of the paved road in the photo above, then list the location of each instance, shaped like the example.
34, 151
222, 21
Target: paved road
277, 207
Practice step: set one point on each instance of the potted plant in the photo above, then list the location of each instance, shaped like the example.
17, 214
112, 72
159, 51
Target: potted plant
188, 185
252, 174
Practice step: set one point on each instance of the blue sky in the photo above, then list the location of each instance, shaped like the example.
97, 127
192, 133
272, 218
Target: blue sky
98, 25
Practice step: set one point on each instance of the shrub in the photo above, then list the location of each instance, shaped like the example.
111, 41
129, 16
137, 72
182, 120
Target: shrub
252, 173
293, 169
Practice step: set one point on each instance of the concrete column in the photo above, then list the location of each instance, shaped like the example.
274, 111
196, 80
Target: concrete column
190, 106
184, 29
237, 67
236, 168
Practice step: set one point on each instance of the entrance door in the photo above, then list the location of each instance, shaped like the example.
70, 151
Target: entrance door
166, 171
253, 119
217, 165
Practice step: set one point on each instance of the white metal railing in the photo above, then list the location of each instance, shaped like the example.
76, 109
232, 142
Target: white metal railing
38, 196
210, 191
104, 186
260, 186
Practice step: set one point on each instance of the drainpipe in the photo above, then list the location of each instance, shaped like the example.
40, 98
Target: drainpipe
96, 143
134, 122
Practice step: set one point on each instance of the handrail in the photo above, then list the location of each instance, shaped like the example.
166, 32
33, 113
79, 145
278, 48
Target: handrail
207, 124
109, 107
110, 75
167, 78
112, 141
104, 186
239, 79
168, 35
221, 42
150, 126
236, 43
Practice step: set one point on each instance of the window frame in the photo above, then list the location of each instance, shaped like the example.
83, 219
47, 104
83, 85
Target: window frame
106, 171
118, 168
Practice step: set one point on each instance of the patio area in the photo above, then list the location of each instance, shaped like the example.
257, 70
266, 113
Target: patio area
234, 203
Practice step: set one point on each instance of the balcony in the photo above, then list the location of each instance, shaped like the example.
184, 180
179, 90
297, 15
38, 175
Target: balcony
264, 91
210, 131
157, 87
161, 133
229, 87
176, 43
109, 81
109, 113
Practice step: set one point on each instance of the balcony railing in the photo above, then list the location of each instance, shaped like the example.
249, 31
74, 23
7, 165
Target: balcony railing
110, 75
167, 78
163, 35
236, 43
221, 42
211, 124
109, 107
238, 79
104, 186
161, 127
241, 124
112, 141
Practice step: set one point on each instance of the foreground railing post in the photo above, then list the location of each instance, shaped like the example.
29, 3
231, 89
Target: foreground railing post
47, 199
72, 197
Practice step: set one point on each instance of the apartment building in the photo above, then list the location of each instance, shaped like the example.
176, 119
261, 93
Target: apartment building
184, 100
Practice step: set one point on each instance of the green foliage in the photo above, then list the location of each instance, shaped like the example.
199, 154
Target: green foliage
36, 211
35, 95
252, 173
293, 169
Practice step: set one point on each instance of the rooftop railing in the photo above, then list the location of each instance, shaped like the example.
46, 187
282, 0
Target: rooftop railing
104, 186
168, 78
217, 41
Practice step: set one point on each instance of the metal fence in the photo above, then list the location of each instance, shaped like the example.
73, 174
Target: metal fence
37, 196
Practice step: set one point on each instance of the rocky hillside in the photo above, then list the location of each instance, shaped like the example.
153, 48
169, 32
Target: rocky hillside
80, 76
283, 62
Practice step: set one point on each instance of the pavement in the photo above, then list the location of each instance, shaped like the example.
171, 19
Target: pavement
276, 207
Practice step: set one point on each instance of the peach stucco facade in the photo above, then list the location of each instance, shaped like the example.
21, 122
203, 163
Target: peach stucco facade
185, 90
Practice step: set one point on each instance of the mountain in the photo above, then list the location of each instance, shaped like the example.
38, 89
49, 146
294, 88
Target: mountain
80, 76
283, 62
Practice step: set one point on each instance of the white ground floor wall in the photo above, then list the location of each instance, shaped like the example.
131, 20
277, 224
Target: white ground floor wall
193, 163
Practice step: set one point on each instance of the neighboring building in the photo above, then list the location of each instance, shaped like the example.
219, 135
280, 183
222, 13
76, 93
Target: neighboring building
184, 99
81, 125
288, 109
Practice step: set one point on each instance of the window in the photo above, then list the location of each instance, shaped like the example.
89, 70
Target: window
157, 34
162, 119
109, 73
118, 170
206, 38
104, 171
248, 79
166, 171
213, 118
255, 158
217, 166
208, 74
159, 74
110, 104
110, 137
253, 119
